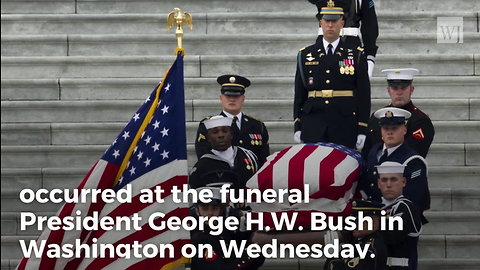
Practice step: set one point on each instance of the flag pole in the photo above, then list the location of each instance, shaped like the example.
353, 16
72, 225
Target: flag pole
176, 16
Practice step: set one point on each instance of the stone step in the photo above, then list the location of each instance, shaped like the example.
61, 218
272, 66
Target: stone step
104, 133
78, 156
248, 44
430, 246
152, 6
207, 88
84, 111
212, 65
452, 222
79, 66
218, 22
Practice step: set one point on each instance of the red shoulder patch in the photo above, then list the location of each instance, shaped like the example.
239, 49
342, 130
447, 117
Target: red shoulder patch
418, 134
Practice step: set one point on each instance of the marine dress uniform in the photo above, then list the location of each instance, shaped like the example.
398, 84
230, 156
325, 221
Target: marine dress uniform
420, 130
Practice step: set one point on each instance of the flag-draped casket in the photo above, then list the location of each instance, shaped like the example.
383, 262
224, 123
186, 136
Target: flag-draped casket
330, 170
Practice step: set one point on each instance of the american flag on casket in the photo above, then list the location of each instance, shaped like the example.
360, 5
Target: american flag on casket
330, 170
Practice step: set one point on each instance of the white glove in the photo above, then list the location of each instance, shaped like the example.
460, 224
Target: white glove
296, 137
371, 64
330, 236
360, 142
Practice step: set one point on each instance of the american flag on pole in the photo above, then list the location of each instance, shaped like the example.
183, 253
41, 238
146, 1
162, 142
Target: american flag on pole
330, 170
149, 152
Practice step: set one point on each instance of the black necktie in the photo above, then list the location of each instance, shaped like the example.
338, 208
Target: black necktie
236, 130
383, 157
330, 49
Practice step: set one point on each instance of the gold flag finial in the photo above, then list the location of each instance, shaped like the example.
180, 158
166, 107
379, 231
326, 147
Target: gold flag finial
178, 17
330, 3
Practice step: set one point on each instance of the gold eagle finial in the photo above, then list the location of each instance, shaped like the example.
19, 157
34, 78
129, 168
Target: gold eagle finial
179, 18
330, 3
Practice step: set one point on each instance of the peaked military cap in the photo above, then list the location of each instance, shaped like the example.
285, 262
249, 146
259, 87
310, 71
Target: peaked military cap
328, 10
233, 85
391, 116
400, 76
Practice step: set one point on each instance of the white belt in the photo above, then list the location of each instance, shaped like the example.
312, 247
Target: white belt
347, 31
391, 261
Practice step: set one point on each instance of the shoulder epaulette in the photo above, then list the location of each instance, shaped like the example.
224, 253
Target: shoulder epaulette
253, 118
206, 118
302, 49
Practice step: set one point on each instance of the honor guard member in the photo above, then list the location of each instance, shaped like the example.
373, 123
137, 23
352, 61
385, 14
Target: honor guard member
248, 132
420, 131
332, 89
360, 21
394, 148
376, 257
223, 155
217, 208
401, 244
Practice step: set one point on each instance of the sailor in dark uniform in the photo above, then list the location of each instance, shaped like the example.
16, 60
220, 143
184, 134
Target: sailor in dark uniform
420, 131
401, 244
394, 148
360, 21
223, 156
332, 88
248, 132
216, 207
376, 257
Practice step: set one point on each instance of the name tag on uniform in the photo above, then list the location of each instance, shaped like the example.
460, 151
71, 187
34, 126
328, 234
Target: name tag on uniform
314, 63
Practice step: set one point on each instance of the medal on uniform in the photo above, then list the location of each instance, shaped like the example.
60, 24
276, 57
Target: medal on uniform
342, 69
352, 69
347, 70
248, 163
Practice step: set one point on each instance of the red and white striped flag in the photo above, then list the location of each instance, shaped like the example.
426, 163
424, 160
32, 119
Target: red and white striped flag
149, 152
330, 170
